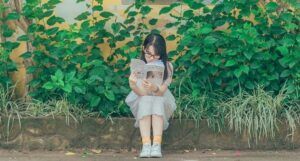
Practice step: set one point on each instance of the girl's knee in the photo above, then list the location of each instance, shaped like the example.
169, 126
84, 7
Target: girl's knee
146, 117
156, 116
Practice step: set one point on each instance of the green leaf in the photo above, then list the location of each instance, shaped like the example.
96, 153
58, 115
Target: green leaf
218, 81
95, 100
283, 50
23, 38
165, 10
31, 69
249, 85
26, 55
255, 65
59, 74
285, 61
145, 10
53, 2
298, 38
129, 21
100, 1
186, 40
212, 69
7, 32
10, 45
85, 25
237, 72
291, 89
210, 40
195, 50
205, 29
67, 88
13, 16
248, 54
169, 25
272, 6
230, 63
106, 14
83, 16
287, 17
81, 90
53, 19
153, 21
132, 13
287, 42
205, 58
285, 73
216, 61
109, 95
171, 37
70, 76
194, 5
229, 52
188, 14
49, 86
97, 8
45, 14
51, 31
116, 27
245, 69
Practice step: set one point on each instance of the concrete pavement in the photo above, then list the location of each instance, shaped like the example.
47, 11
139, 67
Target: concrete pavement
124, 155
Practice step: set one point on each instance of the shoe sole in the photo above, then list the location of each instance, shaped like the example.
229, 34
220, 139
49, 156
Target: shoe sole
144, 156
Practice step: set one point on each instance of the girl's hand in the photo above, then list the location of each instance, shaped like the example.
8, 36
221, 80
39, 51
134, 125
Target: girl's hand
133, 78
149, 86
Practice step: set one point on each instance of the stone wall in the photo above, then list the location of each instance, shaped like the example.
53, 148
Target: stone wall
55, 134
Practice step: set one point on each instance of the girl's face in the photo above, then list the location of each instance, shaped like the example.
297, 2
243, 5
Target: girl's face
150, 54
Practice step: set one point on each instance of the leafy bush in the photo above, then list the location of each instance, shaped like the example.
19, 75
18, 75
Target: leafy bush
231, 47
6, 64
258, 45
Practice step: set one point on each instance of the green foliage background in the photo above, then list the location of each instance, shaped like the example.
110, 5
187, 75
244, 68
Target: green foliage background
70, 63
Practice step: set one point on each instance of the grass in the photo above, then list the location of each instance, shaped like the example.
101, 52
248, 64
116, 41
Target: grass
258, 113
35, 108
196, 106
13, 109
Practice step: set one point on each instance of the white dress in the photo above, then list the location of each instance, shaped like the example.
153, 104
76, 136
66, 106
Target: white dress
164, 106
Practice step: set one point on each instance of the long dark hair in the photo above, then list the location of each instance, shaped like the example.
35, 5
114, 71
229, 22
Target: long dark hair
159, 44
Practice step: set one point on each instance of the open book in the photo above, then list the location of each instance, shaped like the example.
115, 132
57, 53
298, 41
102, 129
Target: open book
152, 72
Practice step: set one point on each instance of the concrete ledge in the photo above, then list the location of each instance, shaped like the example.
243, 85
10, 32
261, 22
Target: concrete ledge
55, 134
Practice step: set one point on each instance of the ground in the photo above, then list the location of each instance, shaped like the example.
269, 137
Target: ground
124, 155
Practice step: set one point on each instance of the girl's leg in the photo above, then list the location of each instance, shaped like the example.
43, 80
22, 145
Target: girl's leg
157, 126
145, 125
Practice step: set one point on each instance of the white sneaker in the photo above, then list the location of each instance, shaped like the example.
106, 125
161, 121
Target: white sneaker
156, 151
146, 150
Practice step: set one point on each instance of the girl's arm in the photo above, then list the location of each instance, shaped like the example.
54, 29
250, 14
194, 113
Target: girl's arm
162, 89
137, 90
134, 87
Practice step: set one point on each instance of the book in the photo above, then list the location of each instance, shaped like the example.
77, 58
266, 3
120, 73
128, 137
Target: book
152, 72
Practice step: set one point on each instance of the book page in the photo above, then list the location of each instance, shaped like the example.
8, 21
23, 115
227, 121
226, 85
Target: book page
154, 74
138, 66
151, 72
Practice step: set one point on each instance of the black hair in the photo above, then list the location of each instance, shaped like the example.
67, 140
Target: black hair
159, 44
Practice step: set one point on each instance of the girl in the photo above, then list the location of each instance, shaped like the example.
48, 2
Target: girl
154, 109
